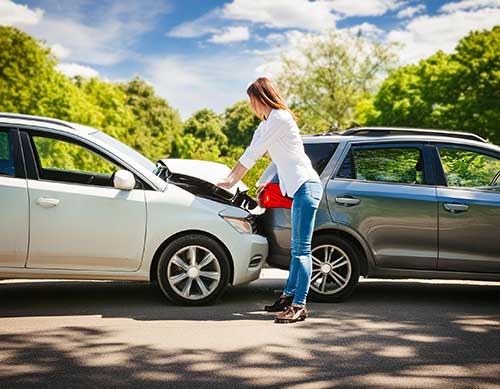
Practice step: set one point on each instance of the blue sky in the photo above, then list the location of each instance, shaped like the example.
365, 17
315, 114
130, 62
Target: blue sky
201, 54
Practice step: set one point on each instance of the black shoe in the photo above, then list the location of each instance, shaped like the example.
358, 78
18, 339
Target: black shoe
280, 305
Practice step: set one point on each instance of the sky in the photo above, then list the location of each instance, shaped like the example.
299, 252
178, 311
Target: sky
203, 54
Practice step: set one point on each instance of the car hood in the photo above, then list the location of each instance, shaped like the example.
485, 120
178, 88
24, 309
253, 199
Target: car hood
200, 178
213, 172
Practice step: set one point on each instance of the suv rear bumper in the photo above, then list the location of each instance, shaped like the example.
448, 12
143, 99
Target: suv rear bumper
274, 224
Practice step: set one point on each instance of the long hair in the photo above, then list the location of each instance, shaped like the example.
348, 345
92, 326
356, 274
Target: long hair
264, 90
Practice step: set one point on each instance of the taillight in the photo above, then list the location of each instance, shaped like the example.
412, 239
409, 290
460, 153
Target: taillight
270, 197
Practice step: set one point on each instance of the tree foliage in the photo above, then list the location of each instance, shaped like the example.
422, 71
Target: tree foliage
326, 76
157, 123
459, 91
239, 123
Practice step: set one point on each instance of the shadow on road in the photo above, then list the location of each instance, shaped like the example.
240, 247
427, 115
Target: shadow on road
387, 335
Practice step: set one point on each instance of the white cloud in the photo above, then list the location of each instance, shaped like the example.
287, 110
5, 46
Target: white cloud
231, 34
305, 14
409, 12
469, 5
365, 7
366, 29
60, 51
95, 33
17, 14
74, 69
202, 26
192, 83
425, 35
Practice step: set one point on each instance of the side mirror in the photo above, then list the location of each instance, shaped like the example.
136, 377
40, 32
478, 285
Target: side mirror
124, 180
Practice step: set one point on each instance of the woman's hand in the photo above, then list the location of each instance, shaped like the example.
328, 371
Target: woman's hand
234, 176
225, 184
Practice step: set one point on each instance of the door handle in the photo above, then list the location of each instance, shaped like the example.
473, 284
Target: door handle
46, 202
453, 207
347, 201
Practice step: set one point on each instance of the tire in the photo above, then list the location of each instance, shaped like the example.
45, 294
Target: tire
185, 284
340, 282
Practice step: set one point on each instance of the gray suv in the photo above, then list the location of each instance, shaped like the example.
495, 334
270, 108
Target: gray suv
398, 203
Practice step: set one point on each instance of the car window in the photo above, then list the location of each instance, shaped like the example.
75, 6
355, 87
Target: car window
320, 154
6, 156
470, 169
395, 164
62, 160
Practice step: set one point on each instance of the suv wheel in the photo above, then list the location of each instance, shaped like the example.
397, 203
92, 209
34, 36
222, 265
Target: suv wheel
335, 269
193, 270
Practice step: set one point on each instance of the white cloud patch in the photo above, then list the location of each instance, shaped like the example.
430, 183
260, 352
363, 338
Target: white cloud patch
365, 7
95, 33
12, 14
425, 35
231, 34
409, 12
60, 51
305, 14
74, 69
191, 84
365, 29
198, 27
469, 5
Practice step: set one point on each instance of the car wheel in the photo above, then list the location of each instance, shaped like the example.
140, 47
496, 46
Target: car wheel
335, 269
193, 270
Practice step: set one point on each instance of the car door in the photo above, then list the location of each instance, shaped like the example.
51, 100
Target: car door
384, 192
14, 209
469, 209
78, 220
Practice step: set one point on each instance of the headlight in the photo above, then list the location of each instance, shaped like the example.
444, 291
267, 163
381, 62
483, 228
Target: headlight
240, 225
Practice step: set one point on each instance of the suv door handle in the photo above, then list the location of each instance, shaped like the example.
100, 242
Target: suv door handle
347, 200
46, 202
453, 207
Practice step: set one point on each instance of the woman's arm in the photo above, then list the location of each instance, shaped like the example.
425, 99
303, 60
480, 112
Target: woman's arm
234, 176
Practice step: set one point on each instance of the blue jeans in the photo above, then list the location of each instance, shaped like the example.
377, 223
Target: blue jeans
304, 206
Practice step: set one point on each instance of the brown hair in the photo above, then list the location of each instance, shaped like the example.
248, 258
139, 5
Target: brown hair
264, 90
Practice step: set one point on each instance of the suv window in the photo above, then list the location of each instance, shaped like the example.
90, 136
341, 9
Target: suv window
470, 169
6, 156
63, 160
320, 154
402, 165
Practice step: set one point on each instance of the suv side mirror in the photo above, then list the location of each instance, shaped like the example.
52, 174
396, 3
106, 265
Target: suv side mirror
124, 180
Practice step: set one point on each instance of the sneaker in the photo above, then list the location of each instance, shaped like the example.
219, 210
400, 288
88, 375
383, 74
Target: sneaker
281, 304
292, 314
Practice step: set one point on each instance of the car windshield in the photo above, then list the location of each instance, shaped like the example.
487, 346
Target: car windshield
127, 150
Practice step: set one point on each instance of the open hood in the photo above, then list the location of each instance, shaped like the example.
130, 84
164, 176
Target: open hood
213, 172
200, 177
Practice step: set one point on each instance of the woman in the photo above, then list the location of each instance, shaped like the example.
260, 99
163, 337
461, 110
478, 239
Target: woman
279, 135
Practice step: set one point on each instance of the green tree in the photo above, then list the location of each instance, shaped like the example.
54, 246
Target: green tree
156, 122
30, 84
202, 130
459, 91
206, 124
240, 123
330, 75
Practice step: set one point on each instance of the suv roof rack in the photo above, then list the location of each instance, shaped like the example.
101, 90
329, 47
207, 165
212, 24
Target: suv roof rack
384, 131
36, 118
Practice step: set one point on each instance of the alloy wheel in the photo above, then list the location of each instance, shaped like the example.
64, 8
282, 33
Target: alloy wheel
331, 269
193, 272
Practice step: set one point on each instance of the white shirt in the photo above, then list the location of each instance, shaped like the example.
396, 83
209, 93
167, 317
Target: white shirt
280, 137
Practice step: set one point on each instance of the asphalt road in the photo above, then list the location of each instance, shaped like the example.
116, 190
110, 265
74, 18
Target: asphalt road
114, 334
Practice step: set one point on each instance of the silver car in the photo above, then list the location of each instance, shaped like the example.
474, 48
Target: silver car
398, 203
